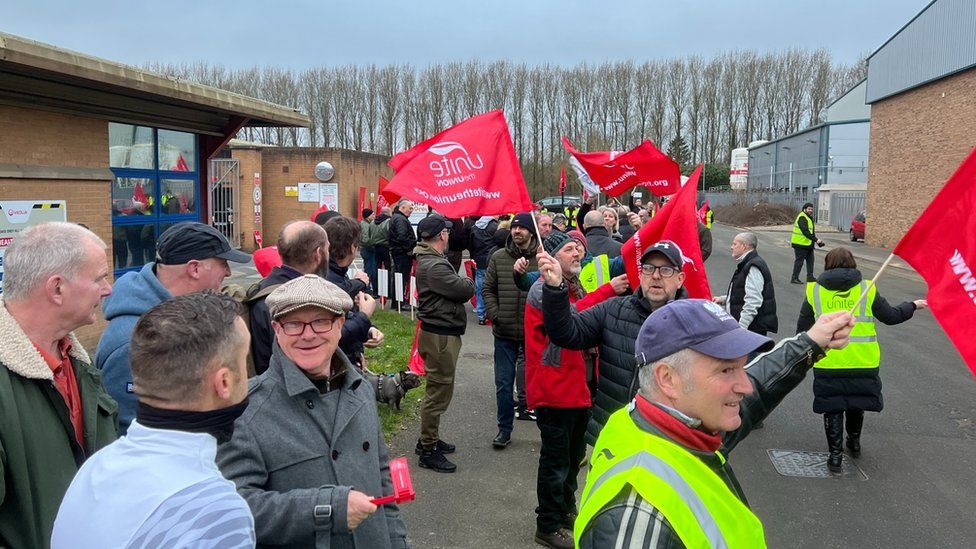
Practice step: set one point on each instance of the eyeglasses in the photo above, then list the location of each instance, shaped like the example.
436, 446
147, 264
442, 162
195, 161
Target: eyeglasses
319, 326
666, 271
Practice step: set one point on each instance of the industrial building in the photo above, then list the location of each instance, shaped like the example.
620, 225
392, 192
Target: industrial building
921, 86
826, 164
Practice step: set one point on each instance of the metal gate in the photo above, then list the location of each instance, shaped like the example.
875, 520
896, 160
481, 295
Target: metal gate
225, 199
844, 206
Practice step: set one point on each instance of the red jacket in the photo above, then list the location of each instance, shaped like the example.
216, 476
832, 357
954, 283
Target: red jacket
555, 377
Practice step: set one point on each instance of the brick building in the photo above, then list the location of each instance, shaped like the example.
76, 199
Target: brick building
124, 151
279, 171
922, 89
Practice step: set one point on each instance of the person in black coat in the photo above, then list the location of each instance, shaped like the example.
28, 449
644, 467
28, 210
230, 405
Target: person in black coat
598, 239
402, 242
482, 243
840, 392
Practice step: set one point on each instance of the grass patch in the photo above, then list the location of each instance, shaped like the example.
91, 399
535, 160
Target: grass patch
393, 356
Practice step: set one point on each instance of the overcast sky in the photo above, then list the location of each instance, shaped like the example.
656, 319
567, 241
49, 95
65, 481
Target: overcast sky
302, 33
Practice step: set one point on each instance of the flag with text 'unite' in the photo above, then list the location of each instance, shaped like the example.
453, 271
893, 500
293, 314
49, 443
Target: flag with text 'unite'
677, 222
469, 169
616, 172
941, 246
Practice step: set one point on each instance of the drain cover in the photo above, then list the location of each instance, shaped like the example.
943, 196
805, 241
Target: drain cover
795, 463
477, 356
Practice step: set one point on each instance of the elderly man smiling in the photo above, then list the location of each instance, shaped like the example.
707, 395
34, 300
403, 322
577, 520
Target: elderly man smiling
307, 455
658, 473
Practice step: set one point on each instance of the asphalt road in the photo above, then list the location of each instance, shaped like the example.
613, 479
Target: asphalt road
919, 489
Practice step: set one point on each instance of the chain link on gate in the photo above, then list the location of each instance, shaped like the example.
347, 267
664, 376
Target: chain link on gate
224, 204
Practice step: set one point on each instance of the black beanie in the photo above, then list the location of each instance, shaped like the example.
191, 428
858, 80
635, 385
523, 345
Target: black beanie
555, 241
367, 212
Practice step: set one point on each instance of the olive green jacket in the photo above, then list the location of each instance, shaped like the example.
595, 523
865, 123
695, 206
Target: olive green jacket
38, 452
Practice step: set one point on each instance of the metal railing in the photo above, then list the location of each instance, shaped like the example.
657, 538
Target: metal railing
844, 206
224, 204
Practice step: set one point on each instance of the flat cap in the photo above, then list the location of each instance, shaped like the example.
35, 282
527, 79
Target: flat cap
308, 291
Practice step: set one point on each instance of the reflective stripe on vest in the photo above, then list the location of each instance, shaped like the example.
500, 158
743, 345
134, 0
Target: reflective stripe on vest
708, 218
702, 510
863, 350
798, 237
592, 277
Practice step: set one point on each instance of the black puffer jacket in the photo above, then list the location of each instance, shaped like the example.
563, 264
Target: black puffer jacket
837, 390
598, 242
402, 238
481, 242
613, 326
504, 301
355, 330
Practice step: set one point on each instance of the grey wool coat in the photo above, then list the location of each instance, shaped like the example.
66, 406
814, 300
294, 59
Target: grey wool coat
296, 454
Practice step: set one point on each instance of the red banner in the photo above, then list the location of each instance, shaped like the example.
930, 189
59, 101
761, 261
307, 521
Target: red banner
703, 213
386, 197
562, 180
416, 362
677, 221
941, 246
466, 170
616, 172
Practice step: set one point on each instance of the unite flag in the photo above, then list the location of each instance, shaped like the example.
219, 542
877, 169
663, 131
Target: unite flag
677, 221
616, 172
469, 169
941, 246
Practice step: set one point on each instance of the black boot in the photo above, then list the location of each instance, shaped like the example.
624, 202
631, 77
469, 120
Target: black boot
834, 428
855, 420
434, 460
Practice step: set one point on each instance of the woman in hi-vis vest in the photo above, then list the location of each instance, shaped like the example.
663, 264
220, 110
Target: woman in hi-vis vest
846, 381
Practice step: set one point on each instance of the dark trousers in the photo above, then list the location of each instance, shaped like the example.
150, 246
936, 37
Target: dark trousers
799, 256
440, 354
563, 433
369, 265
401, 264
507, 353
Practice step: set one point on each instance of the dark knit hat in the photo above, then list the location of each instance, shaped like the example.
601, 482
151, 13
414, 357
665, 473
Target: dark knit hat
367, 212
524, 220
555, 241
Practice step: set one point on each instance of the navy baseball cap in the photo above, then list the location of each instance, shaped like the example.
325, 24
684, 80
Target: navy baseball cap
432, 225
696, 324
668, 249
193, 240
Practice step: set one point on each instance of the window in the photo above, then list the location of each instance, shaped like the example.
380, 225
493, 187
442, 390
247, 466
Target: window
156, 185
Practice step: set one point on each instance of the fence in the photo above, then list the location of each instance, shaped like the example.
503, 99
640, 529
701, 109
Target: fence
796, 199
844, 206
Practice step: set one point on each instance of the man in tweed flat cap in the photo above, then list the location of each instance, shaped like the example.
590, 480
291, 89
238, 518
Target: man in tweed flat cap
307, 455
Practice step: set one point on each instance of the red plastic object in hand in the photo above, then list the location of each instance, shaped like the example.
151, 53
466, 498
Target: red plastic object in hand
402, 486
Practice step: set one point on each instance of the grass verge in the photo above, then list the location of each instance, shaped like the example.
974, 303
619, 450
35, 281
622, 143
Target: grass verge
392, 356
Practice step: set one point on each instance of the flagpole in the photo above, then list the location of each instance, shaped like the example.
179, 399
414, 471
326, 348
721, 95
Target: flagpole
538, 236
864, 294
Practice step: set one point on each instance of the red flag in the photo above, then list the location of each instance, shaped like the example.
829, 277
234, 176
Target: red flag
941, 247
386, 197
466, 170
616, 172
361, 204
703, 213
322, 208
677, 222
139, 195
416, 362
562, 180
181, 165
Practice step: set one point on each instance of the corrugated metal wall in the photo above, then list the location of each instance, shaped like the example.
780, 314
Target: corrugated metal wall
939, 41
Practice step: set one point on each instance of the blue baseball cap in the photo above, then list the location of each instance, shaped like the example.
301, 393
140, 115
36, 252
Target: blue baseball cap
696, 324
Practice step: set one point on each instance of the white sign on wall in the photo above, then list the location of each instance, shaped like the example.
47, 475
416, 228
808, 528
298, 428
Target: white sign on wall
308, 192
20, 214
329, 196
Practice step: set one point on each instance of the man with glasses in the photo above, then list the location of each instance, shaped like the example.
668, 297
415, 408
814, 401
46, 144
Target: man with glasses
613, 326
441, 295
308, 455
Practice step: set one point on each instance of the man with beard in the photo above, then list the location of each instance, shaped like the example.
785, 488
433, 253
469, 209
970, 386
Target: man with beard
613, 326
304, 249
505, 308
191, 378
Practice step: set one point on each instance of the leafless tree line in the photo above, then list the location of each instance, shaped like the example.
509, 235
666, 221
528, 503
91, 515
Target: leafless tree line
714, 104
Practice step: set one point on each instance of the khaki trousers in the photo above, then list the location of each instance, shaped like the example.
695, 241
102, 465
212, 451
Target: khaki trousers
440, 354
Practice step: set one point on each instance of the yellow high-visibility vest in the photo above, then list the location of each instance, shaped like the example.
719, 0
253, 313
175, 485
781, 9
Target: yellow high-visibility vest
798, 237
591, 278
863, 351
702, 510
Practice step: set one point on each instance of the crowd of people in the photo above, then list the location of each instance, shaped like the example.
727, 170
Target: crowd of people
246, 417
